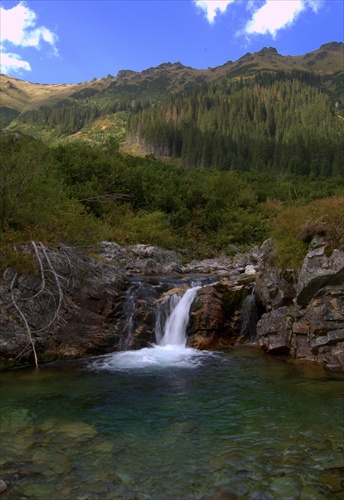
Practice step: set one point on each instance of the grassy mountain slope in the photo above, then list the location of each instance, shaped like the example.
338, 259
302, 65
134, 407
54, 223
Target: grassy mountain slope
22, 96
131, 90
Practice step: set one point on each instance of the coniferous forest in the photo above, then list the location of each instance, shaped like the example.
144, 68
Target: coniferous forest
279, 123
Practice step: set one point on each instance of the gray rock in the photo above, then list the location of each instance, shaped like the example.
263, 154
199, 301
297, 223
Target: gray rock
274, 330
274, 288
70, 313
140, 259
221, 265
311, 327
319, 270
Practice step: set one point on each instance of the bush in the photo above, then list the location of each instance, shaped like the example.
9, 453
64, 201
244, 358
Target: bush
143, 227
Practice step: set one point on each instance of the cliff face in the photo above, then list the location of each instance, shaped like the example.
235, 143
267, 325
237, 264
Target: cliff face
304, 317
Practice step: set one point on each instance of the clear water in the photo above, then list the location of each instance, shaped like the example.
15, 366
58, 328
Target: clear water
170, 423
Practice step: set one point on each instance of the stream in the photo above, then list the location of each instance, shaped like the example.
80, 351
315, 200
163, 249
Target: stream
170, 422
171, 425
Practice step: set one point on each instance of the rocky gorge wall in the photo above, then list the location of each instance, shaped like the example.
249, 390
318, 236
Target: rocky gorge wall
77, 304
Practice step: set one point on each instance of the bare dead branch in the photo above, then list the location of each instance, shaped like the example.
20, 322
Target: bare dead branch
57, 281
42, 287
22, 315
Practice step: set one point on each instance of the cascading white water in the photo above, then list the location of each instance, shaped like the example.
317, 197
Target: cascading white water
163, 311
171, 348
249, 318
175, 327
128, 328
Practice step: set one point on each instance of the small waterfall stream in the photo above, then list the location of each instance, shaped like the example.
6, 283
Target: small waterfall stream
128, 312
176, 323
147, 305
171, 320
249, 318
163, 311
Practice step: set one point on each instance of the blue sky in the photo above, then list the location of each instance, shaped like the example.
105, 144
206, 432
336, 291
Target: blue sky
63, 41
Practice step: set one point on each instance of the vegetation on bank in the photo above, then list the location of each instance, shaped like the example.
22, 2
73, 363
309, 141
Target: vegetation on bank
79, 194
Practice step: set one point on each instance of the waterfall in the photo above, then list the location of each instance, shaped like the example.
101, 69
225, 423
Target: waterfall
163, 311
249, 317
170, 349
128, 327
177, 322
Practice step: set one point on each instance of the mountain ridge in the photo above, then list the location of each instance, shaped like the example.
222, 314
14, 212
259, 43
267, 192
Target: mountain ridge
110, 94
313, 60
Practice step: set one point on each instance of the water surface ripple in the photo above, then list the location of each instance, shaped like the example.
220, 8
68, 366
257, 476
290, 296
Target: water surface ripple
171, 423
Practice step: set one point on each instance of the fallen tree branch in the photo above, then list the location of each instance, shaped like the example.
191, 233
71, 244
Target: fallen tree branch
22, 315
42, 287
57, 281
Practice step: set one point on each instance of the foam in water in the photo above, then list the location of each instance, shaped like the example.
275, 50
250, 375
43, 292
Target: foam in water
150, 357
171, 351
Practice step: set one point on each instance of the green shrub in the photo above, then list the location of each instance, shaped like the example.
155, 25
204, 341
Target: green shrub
143, 227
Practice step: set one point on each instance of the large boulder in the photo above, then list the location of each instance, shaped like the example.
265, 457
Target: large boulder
68, 305
275, 330
221, 266
319, 331
319, 270
304, 319
140, 259
274, 288
215, 314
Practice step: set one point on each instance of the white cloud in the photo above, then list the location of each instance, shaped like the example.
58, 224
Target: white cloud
213, 7
13, 63
278, 14
18, 28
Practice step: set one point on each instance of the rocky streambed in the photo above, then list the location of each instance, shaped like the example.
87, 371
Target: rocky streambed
77, 304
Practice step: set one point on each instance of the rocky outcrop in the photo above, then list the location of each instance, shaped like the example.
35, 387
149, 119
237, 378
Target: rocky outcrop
304, 317
68, 305
221, 266
140, 259
76, 304
216, 312
273, 287
319, 270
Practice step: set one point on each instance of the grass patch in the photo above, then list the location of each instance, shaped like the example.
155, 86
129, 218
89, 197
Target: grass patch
296, 227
